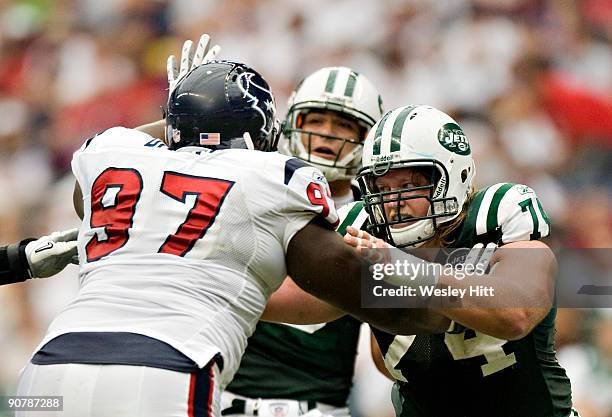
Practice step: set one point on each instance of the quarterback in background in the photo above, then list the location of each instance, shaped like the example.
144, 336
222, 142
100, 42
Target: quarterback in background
417, 182
310, 366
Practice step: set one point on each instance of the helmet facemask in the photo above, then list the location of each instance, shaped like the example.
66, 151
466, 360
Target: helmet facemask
385, 206
331, 89
300, 143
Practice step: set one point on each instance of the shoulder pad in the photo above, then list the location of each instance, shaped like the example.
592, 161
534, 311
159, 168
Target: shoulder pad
353, 214
509, 212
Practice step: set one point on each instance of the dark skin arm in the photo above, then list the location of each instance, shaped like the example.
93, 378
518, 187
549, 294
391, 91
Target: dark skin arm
321, 263
77, 200
378, 358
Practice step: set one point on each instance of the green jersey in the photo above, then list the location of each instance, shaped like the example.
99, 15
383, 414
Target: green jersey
311, 362
464, 373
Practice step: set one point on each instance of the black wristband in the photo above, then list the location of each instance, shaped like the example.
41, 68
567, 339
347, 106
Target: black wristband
14, 265
23, 259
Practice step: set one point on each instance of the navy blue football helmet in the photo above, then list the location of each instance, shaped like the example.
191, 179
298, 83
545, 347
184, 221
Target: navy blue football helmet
221, 105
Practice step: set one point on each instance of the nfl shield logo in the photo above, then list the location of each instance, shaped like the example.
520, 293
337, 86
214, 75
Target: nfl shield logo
210, 138
279, 409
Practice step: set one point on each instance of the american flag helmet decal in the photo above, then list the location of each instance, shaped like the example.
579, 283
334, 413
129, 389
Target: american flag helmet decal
210, 138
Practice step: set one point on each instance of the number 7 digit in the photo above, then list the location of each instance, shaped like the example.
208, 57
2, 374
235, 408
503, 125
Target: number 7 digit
209, 192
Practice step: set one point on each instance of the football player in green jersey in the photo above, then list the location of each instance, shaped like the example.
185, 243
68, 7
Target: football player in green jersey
296, 368
417, 189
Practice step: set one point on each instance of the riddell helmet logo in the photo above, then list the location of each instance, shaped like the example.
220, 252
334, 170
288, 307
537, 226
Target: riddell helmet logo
451, 136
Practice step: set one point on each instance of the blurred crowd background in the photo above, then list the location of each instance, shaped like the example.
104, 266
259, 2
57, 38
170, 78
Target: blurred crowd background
530, 81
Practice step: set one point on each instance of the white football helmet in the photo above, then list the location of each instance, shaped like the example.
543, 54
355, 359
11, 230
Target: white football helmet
416, 137
338, 89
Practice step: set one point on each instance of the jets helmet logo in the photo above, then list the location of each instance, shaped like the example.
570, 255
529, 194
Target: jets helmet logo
451, 136
261, 98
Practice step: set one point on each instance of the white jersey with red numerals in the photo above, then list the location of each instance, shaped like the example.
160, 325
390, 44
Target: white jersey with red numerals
185, 246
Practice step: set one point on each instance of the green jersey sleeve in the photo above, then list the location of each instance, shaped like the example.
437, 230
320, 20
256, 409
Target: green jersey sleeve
353, 214
511, 212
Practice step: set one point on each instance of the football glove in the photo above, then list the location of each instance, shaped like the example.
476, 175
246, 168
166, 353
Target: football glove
480, 255
190, 60
50, 254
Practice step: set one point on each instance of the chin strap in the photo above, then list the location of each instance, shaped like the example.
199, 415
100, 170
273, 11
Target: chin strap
248, 141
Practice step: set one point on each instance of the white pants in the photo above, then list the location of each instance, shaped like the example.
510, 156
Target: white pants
274, 407
122, 391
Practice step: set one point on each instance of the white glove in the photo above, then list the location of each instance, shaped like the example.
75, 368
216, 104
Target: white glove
50, 254
479, 257
190, 60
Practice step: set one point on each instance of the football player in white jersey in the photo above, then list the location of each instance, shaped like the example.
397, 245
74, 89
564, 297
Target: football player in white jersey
180, 247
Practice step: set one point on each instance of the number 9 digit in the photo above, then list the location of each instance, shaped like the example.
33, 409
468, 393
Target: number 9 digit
114, 196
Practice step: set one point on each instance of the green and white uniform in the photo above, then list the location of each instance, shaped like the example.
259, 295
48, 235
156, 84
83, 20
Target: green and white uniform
463, 373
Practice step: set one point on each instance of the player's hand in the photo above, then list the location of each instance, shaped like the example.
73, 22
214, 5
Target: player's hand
377, 251
190, 60
479, 257
50, 254
373, 249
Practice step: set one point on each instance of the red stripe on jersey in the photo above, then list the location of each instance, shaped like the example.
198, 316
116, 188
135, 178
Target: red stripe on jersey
211, 388
190, 400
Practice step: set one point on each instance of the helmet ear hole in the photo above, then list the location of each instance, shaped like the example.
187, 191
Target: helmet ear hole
299, 120
464, 175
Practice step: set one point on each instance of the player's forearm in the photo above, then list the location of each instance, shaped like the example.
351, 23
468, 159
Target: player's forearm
14, 263
346, 295
495, 304
503, 323
331, 271
508, 302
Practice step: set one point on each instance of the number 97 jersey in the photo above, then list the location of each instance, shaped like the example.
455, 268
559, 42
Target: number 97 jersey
185, 246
